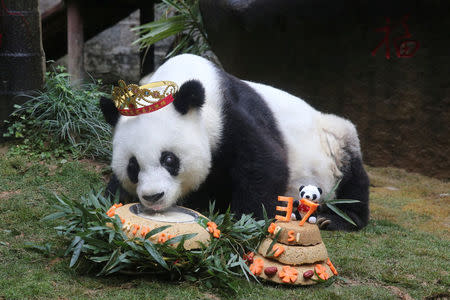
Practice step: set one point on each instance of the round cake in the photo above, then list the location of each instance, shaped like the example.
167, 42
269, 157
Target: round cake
138, 222
300, 270
307, 234
294, 255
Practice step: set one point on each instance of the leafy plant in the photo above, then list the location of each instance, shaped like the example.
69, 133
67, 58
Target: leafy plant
186, 25
330, 202
109, 250
61, 119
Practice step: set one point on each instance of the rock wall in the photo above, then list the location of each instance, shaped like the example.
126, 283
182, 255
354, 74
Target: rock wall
325, 52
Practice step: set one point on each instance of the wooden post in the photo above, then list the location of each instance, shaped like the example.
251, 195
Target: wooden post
147, 14
75, 41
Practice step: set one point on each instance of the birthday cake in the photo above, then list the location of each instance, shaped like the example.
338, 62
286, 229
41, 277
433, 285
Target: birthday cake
137, 222
297, 256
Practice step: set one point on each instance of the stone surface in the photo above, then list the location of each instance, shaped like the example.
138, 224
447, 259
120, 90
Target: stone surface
321, 51
46, 4
111, 56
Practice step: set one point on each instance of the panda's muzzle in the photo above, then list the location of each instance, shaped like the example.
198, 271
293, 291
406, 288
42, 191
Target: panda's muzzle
154, 197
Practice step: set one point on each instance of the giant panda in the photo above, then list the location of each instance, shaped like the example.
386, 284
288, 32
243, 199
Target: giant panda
235, 142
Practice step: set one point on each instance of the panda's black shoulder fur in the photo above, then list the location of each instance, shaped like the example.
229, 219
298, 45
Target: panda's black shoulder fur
354, 185
251, 157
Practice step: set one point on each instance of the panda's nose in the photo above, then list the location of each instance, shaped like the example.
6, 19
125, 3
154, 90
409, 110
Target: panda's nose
307, 197
154, 197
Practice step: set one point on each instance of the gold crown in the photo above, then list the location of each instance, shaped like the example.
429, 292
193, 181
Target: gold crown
132, 100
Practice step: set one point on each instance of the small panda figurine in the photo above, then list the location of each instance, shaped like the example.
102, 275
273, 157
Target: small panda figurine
235, 142
310, 192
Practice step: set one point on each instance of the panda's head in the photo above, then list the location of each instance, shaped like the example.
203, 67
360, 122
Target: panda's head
310, 192
161, 156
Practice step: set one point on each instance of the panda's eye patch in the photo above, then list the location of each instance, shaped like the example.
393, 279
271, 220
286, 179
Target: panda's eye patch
171, 162
302, 193
314, 196
133, 169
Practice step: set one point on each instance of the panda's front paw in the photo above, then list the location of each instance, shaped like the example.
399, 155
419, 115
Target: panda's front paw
323, 222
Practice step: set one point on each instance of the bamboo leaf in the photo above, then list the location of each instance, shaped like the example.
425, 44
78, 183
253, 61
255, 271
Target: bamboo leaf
341, 213
156, 231
111, 262
54, 216
75, 241
339, 201
179, 238
275, 239
155, 254
331, 192
76, 253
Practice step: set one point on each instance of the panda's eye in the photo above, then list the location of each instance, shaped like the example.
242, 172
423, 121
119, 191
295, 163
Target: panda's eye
133, 169
314, 196
302, 193
171, 162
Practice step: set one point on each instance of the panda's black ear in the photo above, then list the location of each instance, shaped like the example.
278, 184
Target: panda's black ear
109, 110
301, 188
320, 190
191, 95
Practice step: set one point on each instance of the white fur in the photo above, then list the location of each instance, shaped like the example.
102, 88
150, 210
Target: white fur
314, 141
145, 137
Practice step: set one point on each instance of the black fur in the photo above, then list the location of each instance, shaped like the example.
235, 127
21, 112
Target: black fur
250, 166
114, 186
171, 162
191, 95
354, 185
109, 111
133, 169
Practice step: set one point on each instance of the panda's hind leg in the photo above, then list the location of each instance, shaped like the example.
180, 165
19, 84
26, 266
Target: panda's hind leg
354, 185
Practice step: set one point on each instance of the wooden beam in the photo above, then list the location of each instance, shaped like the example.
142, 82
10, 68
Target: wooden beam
75, 41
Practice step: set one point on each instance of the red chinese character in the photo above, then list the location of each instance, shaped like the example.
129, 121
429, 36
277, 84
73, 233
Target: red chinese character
405, 48
387, 31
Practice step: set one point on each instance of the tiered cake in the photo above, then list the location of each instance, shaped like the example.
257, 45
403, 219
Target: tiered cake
297, 257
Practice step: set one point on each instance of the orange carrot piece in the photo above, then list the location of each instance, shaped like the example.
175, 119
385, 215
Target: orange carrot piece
211, 226
287, 209
312, 208
278, 250
144, 230
162, 238
332, 268
257, 266
291, 236
136, 228
271, 228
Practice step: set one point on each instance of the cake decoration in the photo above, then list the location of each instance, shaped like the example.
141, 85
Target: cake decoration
212, 228
289, 274
257, 266
140, 222
292, 247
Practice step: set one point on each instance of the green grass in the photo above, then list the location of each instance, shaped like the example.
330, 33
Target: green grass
403, 251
